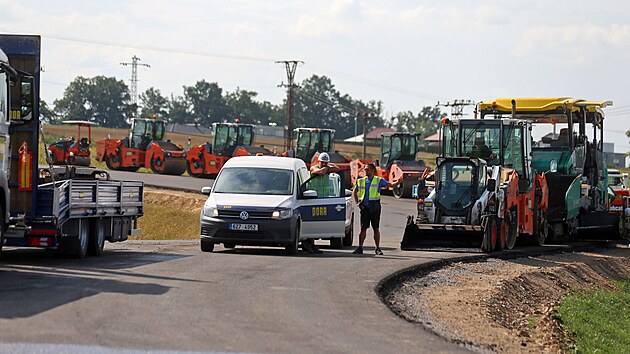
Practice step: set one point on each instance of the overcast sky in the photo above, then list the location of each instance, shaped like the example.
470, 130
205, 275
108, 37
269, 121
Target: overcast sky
409, 54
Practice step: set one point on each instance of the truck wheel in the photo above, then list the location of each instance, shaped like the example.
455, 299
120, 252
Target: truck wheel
207, 246
347, 241
77, 245
293, 248
336, 243
97, 238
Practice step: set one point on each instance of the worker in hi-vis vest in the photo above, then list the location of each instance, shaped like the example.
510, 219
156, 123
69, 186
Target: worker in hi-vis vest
321, 184
367, 195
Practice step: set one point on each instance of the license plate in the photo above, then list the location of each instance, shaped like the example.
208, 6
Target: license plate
244, 227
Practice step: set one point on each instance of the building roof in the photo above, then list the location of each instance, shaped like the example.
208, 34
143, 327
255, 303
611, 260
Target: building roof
376, 133
433, 138
188, 129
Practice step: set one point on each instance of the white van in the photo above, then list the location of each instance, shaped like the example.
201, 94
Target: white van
271, 201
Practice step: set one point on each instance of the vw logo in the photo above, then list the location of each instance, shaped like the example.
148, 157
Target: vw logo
244, 215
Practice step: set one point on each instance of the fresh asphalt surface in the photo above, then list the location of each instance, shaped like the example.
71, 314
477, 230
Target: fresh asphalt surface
168, 295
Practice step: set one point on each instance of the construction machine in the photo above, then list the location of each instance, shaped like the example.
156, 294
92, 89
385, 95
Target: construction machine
310, 142
144, 147
571, 157
229, 140
486, 193
71, 151
397, 160
618, 183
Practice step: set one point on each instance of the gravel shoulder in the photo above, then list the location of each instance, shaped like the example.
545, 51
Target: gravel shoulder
505, 305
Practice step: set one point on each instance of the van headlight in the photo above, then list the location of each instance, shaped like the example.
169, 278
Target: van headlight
282, 214
210, 211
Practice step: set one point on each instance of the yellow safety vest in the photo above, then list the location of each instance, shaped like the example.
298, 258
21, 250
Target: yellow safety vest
375, 191
321, 185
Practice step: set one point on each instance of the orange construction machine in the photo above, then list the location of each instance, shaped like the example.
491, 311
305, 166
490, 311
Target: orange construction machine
145, 147
397, 160
310, 142
68, 151
229, 140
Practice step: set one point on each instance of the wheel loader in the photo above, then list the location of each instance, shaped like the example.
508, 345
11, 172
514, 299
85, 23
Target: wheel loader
486, 193
144, 147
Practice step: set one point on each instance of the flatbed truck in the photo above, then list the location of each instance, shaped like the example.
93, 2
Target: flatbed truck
41, 207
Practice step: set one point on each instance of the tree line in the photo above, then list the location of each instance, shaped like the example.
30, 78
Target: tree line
317, 103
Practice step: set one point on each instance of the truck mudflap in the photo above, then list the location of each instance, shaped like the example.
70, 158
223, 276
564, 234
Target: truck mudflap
420, 236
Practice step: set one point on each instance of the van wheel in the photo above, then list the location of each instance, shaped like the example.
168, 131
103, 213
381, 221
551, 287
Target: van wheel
292, 249
347, 241
97, 238
336, 243
207, 246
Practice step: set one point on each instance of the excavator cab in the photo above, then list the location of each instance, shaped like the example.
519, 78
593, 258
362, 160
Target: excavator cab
229, 136
397, 147
311, 141
143, 131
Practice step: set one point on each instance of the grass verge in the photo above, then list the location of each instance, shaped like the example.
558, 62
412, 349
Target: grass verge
598, 320
167, 223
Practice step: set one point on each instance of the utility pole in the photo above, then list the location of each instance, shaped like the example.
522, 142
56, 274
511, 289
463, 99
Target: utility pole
290, 66
134, 80
365, 116
457, 107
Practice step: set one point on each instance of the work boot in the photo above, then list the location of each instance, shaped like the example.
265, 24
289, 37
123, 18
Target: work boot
359, 250
306, 246
316, 249
378, 251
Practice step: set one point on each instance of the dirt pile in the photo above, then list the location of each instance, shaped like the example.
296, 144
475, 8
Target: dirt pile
506, 305
192, 202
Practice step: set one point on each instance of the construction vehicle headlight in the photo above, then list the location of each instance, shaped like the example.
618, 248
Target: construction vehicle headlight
553, 165
282, 214
210, 211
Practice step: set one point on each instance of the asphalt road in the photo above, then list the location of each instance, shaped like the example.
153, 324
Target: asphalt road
169, 295
164, 181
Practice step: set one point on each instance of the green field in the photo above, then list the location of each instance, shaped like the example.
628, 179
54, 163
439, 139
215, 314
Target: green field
181, 225
599, 320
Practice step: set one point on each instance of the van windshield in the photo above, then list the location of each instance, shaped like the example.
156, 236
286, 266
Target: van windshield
249, 180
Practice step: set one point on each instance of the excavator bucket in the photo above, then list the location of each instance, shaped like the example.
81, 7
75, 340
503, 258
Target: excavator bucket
419, 236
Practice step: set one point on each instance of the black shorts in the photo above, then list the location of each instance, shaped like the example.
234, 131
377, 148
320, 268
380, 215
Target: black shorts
371, 215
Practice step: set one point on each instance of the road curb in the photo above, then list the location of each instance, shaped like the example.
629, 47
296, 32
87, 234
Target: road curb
389, 285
